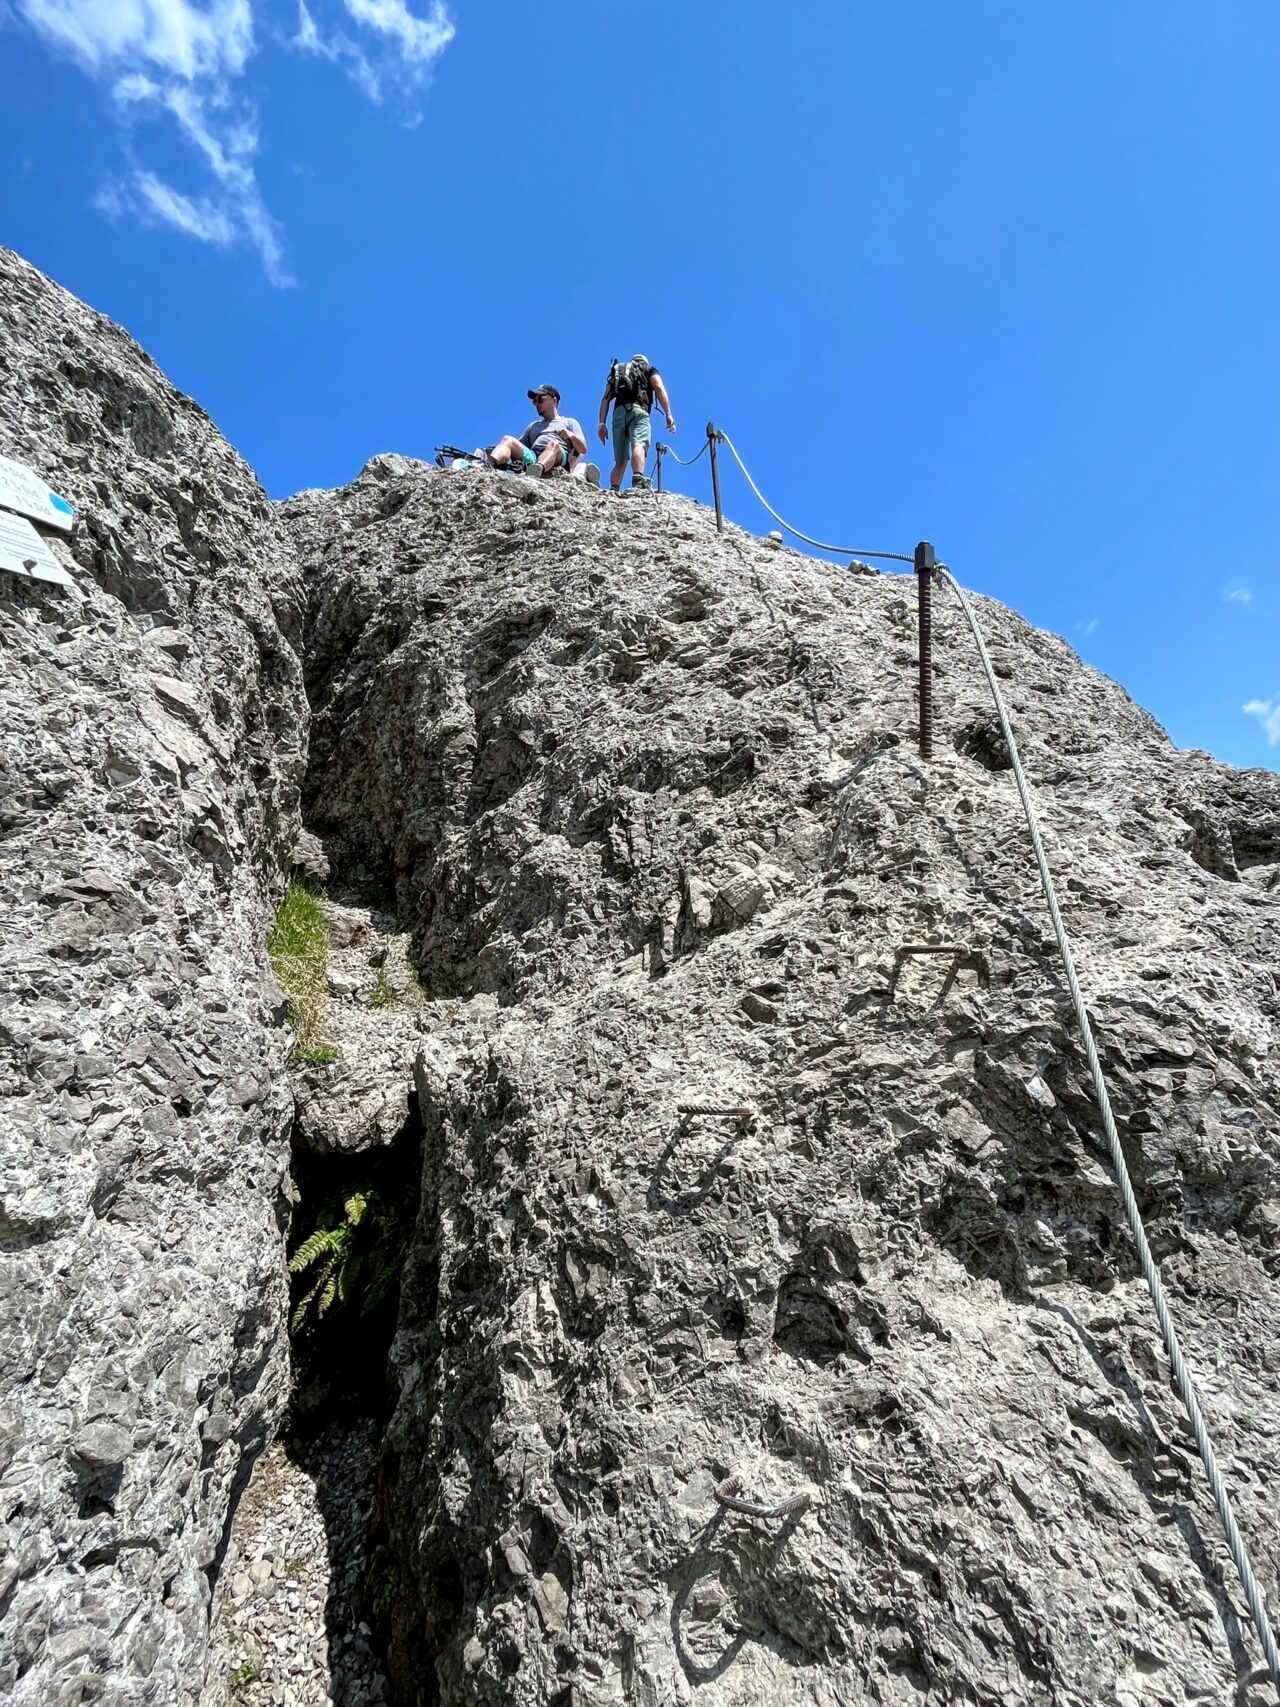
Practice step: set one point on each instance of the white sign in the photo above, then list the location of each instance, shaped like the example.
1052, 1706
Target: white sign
22, 489
23, 552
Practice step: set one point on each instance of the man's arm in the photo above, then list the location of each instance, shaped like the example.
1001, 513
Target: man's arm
572, 435
603, 411
660, 392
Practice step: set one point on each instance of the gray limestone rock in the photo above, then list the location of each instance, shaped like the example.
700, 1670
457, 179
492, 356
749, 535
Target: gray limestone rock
155, 734
714, 1184
651, 808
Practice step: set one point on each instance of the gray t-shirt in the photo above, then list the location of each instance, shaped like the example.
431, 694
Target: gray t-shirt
539, 434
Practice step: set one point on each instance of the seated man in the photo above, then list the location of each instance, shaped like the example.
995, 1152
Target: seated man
552, 441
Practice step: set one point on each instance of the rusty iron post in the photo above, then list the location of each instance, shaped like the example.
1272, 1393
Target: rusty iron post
712, 437
926, 563
657, 483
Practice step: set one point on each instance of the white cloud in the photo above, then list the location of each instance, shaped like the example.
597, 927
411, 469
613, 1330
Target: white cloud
1267, 711
224, 133
109, 202
183, 59
1085, 629
1238, 595
339, 51
421, 40
172, 36
167, 206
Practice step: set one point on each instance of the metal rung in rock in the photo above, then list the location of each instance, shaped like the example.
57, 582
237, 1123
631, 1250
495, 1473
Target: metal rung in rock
961, 949
733, 1111
729, 1493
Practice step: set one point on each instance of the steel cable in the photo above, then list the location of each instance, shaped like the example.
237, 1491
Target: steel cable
666, 450
840, 550
1182, 1377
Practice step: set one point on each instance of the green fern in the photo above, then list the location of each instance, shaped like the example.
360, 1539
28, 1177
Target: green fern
354, 1257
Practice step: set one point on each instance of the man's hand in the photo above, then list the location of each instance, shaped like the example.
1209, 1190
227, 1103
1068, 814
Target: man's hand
671, 423
602, 432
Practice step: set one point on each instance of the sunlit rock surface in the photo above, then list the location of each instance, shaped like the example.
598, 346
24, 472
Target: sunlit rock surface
646, 804
651, 804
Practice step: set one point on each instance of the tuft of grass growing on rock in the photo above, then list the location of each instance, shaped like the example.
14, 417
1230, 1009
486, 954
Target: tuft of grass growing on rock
298, 948
385, 994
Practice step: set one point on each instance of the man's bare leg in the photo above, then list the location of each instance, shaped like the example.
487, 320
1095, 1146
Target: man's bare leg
506, 448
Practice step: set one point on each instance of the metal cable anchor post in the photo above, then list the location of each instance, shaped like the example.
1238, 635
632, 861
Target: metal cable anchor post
926, 563
713, 438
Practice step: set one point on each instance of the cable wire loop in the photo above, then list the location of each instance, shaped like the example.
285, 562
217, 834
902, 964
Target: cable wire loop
667, 451
840, 550
1181, 1375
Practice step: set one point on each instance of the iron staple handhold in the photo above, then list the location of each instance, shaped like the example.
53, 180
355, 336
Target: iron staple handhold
958, 948
729, 1493
739, 1111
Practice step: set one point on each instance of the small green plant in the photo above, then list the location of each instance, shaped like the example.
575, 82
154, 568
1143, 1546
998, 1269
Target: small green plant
353, 1257
242, 1676
388, 1583
298, 948
385, 995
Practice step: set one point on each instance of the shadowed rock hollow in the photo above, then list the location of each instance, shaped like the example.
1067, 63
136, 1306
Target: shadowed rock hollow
648, 804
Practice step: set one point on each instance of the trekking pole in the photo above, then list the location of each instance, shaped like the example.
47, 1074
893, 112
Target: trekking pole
712, 436
926, 563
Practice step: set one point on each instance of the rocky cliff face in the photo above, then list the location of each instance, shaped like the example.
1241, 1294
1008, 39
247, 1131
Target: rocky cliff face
154, 734
651, 806
711, 1183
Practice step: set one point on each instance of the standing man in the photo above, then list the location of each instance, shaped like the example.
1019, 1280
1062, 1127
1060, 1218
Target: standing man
631, 387
550, 442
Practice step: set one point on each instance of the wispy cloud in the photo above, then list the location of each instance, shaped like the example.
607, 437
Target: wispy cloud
183, 61
1238, 595
1267, 711
171, 36
1085, 629
420, 41
338, 49
401, 49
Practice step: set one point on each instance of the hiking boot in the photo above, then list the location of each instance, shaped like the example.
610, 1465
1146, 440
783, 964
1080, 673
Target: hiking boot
535, 471
592, 475
640, 483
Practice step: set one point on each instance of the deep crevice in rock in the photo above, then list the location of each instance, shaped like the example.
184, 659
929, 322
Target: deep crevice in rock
298, 1550
340, 1355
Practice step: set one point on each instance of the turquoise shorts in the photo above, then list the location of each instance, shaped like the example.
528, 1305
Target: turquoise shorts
531, 456
630, 427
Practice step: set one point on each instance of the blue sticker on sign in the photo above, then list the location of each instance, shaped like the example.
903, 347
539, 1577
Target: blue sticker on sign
61, 504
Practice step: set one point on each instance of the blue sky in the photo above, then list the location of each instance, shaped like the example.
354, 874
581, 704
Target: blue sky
999, 274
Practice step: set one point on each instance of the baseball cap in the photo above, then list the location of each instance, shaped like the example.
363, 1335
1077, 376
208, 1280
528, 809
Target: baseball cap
539, 390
